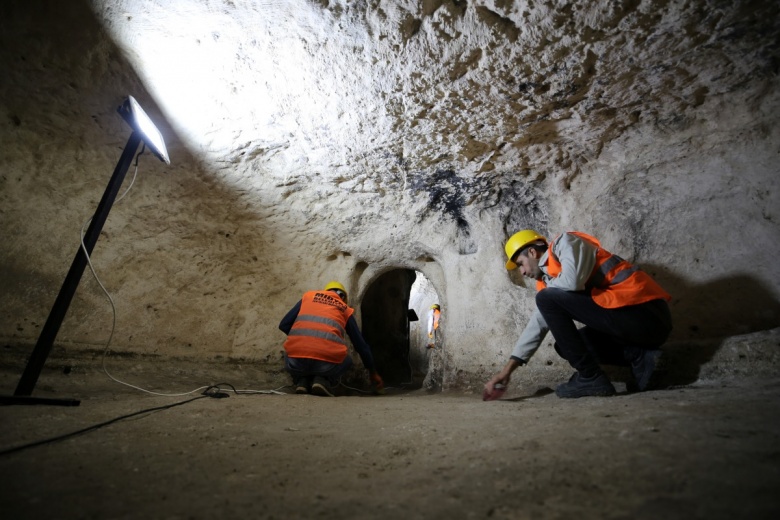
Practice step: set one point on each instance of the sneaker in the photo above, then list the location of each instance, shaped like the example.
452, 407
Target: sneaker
579, 386
301, 387
643, 366
321, 387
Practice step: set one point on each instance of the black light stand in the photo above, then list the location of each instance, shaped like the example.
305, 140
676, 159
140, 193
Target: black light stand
143, 130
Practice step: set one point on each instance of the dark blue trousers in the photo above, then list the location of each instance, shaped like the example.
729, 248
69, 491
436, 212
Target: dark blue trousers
305, 368
609, 336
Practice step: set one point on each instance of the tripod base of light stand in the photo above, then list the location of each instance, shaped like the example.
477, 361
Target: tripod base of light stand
26, 399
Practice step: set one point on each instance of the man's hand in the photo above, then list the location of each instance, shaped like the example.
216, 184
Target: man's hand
495, 388
502, 378
377, 385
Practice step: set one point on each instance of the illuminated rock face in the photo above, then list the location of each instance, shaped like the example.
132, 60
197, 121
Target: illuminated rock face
338, 140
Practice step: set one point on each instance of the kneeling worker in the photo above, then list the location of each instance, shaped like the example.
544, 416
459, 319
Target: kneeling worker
316, 349
625, 312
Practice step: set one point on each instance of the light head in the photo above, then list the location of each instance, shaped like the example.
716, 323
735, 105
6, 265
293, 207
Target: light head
135, 116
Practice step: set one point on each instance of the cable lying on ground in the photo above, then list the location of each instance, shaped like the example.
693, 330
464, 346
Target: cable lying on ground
96, 426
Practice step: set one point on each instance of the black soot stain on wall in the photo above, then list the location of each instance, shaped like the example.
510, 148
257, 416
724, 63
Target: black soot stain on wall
519, 204
447, 194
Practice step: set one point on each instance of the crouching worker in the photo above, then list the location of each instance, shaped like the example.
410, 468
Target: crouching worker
316, 349
624, 311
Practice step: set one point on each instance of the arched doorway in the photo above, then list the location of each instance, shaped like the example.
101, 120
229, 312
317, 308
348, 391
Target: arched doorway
394, 312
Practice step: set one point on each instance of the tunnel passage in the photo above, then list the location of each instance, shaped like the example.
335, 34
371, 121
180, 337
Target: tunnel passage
386, 324
394, 311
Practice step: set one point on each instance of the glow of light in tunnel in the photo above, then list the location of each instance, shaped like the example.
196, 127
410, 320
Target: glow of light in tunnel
422, 295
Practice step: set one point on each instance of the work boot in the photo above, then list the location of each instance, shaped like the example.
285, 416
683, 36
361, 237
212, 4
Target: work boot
321, 387
579, 386
643, 363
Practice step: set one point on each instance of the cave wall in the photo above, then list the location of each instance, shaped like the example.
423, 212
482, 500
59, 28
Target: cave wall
412, 136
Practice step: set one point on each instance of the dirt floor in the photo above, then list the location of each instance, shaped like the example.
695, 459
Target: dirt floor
707, 450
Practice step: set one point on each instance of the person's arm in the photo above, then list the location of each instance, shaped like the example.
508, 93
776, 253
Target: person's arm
531, 338
362, 348
526, 346
577, 258
289, 319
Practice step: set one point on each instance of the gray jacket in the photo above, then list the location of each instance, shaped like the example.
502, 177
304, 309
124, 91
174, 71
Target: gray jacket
578, 258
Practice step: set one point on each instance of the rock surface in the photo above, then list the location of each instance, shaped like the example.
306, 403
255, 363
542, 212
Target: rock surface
318, 140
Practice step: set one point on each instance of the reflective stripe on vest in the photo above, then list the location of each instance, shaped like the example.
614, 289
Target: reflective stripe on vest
628, 285
599, 276
319, 333
319, 329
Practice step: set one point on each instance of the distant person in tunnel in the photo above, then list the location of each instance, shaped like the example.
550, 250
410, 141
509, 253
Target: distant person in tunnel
316, 349
624, 311
433, 324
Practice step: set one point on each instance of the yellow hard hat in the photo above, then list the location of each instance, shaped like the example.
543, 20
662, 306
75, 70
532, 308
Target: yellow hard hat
517, 242
337, 286
435, 306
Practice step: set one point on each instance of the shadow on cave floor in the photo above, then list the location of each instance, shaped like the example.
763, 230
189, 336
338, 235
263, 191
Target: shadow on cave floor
708, 317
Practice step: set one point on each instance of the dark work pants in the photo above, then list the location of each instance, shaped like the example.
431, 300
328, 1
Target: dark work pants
609, 337
303, 368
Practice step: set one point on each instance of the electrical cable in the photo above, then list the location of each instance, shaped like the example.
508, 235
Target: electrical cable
218, 389
111, 300
213, 391
355, 389
98, 426
106, 350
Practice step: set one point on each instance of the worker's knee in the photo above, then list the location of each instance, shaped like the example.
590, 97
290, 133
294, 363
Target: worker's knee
549, 296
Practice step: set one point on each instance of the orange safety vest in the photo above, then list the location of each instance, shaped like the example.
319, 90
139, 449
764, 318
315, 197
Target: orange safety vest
614, 282
436, 315
318, 331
